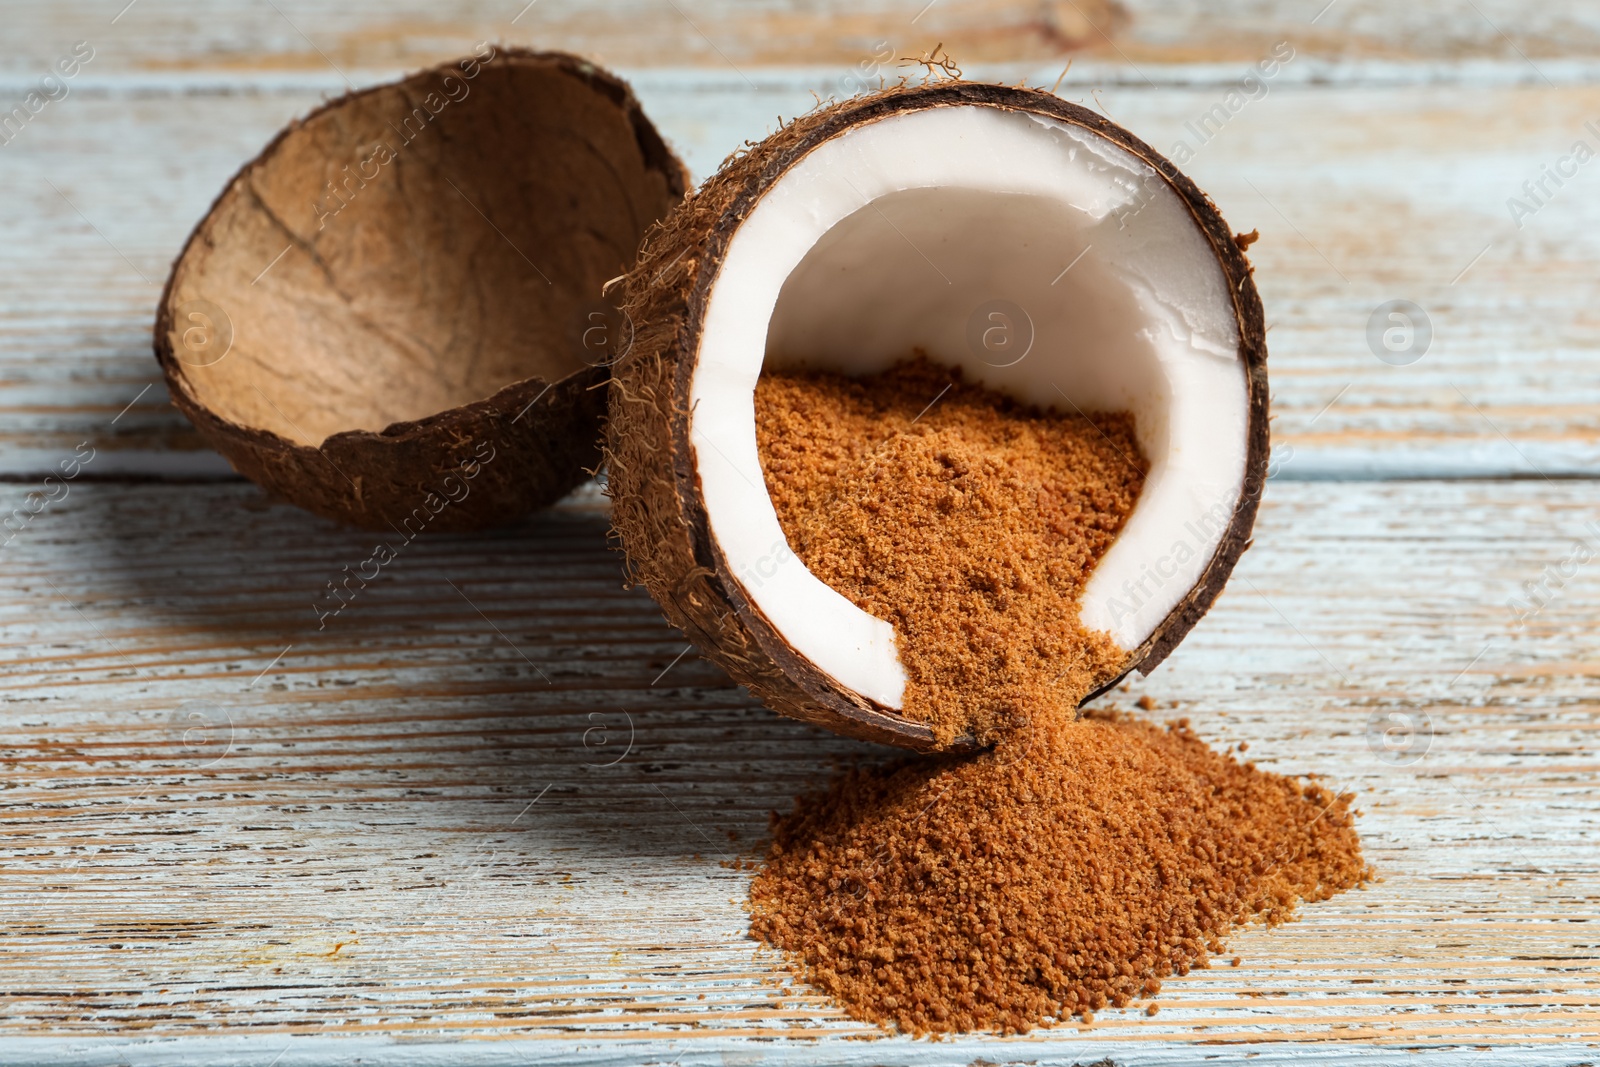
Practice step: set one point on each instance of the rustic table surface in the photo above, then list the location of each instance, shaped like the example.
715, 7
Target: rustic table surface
487, 814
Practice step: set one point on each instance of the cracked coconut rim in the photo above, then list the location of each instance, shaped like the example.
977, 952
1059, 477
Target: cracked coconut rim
929, 217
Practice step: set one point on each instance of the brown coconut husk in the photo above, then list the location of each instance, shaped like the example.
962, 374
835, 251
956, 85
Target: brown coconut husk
393, 315
657, 507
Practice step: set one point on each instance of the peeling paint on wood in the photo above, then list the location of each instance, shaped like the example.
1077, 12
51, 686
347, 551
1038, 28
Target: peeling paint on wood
480, 814
491, 799
1363, 196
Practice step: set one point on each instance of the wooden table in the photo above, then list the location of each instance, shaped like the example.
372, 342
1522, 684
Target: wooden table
489, 814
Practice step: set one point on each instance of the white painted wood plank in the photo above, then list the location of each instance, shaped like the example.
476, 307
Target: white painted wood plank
218, 819
313, 1051
1363, 195
736, 34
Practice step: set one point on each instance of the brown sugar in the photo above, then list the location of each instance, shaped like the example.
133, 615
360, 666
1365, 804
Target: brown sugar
1077, 863
968, 521
1072, 867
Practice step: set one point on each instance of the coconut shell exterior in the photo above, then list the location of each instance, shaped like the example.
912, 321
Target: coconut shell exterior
468, 217
658, 508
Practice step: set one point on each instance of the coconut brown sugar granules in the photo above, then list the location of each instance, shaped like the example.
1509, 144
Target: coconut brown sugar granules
967, 521
1075, 865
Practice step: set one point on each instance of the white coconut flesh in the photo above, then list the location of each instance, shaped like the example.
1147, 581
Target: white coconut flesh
893, 236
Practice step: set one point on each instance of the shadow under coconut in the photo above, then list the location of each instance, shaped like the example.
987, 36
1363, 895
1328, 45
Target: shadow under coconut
511, 663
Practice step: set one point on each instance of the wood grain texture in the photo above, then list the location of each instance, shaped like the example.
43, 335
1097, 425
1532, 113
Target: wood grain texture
482, 814
733, 34
1363, 195
488, 800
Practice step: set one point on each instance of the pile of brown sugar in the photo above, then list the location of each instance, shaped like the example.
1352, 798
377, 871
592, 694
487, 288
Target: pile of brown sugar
968, 521
1074, 866
1077, 863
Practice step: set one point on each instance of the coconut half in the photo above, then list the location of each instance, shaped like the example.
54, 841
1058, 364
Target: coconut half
393, 315
1046, 251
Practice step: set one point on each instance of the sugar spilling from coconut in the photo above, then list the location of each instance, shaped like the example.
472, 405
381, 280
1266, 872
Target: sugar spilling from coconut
1074, 864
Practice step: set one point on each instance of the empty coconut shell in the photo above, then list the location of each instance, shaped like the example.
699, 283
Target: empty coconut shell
393, 315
